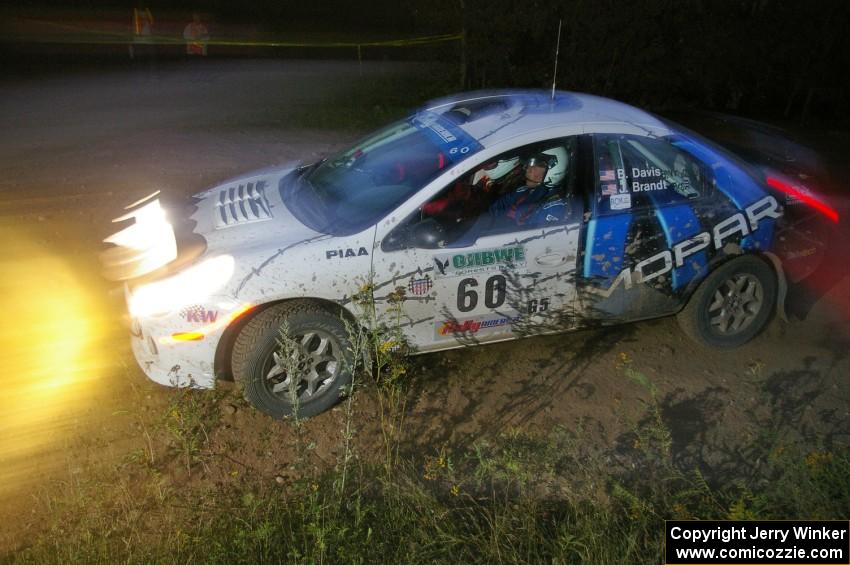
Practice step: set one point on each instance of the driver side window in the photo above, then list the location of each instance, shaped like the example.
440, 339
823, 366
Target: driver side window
531, 187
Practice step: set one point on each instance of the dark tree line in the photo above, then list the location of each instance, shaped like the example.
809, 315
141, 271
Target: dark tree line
763, 57
777, 58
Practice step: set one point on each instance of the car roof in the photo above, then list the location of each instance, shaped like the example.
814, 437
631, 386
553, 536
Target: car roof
492, 116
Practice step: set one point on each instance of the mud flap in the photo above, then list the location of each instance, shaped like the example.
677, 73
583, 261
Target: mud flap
803, 295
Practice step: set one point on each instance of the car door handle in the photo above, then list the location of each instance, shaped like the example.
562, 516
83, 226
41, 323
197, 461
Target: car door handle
550, 259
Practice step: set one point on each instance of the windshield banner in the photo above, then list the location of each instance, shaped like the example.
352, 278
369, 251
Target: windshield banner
456, 144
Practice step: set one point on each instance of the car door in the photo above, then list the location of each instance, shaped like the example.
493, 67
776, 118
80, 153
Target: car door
648, 196
467, 274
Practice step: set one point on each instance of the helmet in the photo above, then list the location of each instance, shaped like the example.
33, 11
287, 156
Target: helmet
554, 160
495, 170
557, 162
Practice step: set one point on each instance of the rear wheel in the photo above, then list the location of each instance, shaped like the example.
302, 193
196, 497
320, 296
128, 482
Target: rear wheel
307, 371
732, 305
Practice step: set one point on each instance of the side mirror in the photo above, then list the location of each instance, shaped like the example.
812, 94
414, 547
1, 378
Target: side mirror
427, 234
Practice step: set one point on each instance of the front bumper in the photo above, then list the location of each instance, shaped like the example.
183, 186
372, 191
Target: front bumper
178, 350
181, 364
184, 364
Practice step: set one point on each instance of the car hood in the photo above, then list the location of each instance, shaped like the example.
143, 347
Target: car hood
247, 211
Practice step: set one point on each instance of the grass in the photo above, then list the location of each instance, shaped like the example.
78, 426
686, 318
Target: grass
413, 516
187, 423
519, 497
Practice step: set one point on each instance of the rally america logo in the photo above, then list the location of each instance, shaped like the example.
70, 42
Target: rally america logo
199, 315
493, 323
420, 287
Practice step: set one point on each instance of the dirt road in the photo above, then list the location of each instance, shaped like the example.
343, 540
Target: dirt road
76, 148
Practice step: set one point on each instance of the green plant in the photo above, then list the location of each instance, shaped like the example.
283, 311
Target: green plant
388, 349
188, 421
292, 360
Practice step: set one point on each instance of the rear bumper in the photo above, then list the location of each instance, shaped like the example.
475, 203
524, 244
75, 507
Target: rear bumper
833, 268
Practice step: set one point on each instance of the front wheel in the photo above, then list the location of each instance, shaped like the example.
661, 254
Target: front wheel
732, 305
306, 372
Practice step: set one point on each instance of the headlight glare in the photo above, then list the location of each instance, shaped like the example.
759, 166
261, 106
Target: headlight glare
193, 285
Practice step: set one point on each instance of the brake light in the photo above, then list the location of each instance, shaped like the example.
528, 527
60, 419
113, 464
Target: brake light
803, 197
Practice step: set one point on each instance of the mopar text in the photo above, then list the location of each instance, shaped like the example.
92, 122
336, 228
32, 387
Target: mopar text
740, 224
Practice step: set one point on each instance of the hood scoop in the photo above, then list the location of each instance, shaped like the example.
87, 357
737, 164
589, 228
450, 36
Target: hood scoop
241, 204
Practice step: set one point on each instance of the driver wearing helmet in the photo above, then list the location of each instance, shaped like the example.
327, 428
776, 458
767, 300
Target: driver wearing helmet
538, 201
469, 198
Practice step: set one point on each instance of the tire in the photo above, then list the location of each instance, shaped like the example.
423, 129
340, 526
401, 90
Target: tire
732, 305
323, 351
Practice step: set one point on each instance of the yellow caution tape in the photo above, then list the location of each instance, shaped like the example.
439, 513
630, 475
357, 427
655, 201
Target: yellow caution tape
98, 38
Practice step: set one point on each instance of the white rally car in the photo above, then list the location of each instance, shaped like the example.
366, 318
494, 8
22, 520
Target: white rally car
491, 215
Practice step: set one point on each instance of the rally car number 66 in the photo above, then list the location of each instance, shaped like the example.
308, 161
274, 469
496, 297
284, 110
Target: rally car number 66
485, 217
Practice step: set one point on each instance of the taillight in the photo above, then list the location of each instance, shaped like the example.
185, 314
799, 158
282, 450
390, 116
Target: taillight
804, 197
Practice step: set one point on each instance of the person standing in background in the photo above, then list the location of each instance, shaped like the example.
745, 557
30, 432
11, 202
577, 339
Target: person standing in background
196, 35
142, 28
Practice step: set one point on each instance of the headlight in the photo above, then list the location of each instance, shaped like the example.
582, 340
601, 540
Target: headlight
144, 246
193, 285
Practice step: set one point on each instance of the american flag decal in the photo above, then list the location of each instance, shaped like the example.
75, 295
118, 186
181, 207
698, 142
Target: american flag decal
420, 287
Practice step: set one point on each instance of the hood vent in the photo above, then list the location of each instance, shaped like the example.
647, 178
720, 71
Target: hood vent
242, 204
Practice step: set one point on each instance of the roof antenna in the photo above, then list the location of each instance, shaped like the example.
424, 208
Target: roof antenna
557, 50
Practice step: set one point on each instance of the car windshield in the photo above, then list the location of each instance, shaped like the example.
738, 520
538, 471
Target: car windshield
352, 190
